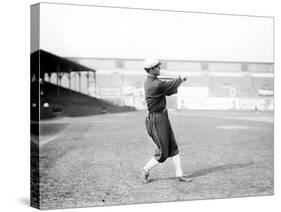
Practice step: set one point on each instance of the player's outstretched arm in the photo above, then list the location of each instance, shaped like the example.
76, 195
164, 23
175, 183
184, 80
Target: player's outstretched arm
169, 87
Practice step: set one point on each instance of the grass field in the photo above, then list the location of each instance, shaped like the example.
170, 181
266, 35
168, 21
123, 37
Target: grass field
96, 160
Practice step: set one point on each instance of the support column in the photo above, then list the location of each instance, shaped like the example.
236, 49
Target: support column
49, 75
60, 77
88, 83
69, 79
75, 79
95, 83
79, 75
58, 89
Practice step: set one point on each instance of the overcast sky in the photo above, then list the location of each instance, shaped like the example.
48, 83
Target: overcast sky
84, 31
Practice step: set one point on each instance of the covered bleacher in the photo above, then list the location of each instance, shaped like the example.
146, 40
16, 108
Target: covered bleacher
51, 99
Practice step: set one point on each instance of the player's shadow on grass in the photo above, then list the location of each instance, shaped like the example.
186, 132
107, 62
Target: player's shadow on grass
202, 172
206, 171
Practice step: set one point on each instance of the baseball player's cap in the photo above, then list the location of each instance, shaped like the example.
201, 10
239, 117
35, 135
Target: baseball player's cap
151, 62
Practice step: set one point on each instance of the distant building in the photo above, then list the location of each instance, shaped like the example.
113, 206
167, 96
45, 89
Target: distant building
210, 85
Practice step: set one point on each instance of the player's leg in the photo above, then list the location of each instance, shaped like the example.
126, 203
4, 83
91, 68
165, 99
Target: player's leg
174, 154
158, 128
146, 169
175, 157
154, 160
150, 164
160, 136
177, 164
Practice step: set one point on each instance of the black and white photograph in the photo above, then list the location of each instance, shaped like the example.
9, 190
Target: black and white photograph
136, 105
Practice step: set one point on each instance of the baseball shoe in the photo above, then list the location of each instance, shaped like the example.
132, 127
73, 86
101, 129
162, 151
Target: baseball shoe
144, 176
184, 179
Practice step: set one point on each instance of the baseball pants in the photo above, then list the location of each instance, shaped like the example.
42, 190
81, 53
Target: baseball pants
159, 128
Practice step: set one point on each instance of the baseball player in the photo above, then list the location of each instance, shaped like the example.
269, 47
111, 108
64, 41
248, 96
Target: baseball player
157, 122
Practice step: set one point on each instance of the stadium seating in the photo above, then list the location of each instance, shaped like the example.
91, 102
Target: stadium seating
66, 102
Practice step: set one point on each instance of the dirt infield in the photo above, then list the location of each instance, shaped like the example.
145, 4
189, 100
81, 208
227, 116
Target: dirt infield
96, 160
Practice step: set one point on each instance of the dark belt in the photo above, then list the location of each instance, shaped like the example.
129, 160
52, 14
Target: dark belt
158, 112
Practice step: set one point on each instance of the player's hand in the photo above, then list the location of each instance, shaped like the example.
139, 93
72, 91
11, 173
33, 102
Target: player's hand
183, 79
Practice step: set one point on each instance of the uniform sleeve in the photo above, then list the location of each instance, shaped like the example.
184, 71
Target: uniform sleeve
170, 87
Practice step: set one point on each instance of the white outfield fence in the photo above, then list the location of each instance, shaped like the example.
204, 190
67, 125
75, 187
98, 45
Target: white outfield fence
198, 98
223, 103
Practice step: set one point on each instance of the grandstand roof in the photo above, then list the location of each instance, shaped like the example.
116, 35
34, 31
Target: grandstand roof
50, 63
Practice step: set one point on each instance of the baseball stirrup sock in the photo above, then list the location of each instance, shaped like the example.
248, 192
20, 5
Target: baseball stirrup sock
150, 164
177, 163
